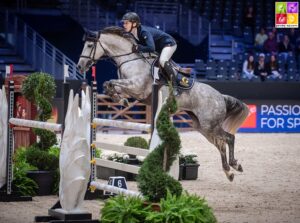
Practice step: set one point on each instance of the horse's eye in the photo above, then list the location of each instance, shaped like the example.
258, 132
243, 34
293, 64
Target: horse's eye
90, 45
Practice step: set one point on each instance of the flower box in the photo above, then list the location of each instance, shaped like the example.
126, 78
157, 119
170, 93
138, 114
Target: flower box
44, 180
188, 168
190, 171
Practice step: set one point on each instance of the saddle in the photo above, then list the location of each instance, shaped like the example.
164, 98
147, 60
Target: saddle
185, 77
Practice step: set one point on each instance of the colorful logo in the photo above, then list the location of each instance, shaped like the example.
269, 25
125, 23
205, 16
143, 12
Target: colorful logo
286, 14
250, 121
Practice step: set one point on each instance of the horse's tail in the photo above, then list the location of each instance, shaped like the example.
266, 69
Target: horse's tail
237, 112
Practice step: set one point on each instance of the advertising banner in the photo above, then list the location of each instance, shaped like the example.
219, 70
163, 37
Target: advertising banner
273, 116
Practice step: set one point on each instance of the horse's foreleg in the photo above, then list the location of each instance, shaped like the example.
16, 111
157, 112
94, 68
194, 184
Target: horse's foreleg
232, 161
113, 90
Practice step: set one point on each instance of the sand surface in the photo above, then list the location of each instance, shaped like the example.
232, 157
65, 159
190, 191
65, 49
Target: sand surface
267, 191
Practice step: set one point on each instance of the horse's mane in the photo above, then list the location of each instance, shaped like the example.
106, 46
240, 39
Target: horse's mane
119, 32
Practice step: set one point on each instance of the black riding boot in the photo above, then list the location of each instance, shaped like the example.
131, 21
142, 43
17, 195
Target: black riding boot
169, 70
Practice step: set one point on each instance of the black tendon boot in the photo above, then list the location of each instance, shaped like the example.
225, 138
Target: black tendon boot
169, 70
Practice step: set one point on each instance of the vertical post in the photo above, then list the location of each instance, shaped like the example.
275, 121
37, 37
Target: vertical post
93, 129
154, 104
10, 139
66, 91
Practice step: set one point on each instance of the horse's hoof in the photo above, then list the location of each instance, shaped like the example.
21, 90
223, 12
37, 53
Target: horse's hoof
124, 102
230, 176
237, 167
240, 168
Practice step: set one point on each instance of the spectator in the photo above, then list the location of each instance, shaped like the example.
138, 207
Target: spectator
293, 35
248, 67
261, 68
276, 35
285, 48
273, 68
260, 39
270, 45
249, 17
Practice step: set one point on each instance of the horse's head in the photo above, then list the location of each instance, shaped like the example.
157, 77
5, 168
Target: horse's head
113, 42
91, 51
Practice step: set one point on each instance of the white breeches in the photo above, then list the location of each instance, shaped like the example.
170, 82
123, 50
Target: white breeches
166, 54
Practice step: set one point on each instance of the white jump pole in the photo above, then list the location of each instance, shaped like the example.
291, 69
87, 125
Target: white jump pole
36, 124
122, 124
116, 190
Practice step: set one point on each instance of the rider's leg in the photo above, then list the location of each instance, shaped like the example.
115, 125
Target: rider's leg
164, 58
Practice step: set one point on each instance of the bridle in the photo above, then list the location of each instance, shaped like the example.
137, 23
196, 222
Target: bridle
91, 56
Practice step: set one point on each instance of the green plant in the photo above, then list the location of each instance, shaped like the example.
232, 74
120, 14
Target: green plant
39, 88
97, 153
188, 159
54, 150
41, 159
137, 142
182, 209
153, 181
24, 185
185, 208
121, 209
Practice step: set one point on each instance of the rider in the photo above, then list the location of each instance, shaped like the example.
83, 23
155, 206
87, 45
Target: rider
150, 39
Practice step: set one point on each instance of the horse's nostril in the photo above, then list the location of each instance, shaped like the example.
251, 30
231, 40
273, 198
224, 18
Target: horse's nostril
79, 67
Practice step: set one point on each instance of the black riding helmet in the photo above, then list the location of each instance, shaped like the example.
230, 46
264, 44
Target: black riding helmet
132, 17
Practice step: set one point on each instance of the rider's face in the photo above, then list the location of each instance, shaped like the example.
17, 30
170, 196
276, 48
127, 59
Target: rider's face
128, 26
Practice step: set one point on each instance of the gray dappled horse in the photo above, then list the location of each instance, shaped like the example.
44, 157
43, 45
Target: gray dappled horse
214, 115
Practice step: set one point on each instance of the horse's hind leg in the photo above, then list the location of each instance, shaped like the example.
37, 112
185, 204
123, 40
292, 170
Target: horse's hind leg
232, 161
218, 138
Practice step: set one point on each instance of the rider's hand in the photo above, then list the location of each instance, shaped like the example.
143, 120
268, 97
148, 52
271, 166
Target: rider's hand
135, 48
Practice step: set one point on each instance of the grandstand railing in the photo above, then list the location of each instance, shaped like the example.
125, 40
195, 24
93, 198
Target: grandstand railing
35, 50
